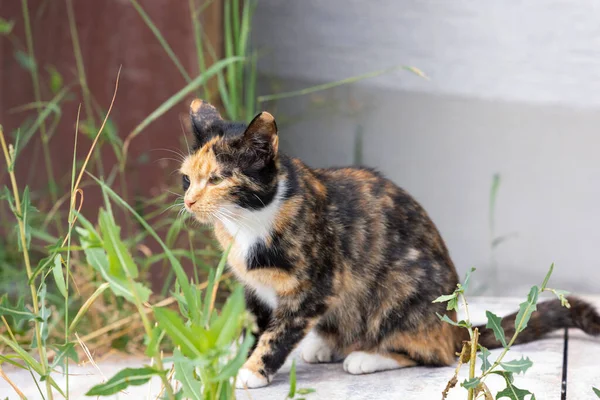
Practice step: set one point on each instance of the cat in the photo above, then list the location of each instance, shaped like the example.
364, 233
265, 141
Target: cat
342, 253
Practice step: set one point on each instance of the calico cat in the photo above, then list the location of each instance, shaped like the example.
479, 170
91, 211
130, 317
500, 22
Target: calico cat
341, 252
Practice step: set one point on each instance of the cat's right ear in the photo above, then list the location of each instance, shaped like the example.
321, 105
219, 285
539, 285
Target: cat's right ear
205, 118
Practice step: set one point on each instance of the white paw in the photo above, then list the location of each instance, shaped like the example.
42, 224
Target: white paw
248, 379
360, 362
316, 350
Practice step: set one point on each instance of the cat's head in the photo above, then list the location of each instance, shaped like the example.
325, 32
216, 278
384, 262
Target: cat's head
232, 166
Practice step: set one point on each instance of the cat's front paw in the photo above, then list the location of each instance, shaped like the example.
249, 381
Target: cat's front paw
249, 379
316, 350
360, 362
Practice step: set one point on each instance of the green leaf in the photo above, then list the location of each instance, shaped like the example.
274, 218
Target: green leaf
562, 296
123, 379
120, 261
25, 61
153, 346
99, 261
547, 278
44, 312
56, 79
6, 26
175, 264
180, 334
53, 106
58, 276
19, 312
508, 376
7, 195
494, 323
292, 391
484, 357
517, 366
461, 323
64, 352
26, 210
228, 325
452, 300
231, 369
11, 360
30, 361
525, 309
43, 264
596, 391
514, 393
471, 383
465, 284
184, 373
444, 298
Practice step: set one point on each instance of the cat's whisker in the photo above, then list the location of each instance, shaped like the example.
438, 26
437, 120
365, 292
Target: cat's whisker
240, 223
259, 199
177, 152
179, 195
167, 159
234, 218
185, 136
171, 207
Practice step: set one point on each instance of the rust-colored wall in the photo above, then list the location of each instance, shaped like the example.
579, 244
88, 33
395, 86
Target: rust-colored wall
111, 34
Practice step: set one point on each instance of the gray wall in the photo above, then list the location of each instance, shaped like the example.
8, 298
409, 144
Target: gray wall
514, 90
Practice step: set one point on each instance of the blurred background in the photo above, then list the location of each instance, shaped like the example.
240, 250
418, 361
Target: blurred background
501, 143
497, 138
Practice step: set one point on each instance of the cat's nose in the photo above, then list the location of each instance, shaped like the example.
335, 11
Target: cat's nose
189, 203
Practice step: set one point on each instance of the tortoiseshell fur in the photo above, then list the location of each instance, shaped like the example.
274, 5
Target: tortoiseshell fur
342, 251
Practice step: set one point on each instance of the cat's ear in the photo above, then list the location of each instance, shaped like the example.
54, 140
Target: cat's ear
205, 118
261, 133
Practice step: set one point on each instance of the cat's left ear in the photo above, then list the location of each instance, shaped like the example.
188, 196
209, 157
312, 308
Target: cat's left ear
262, 132
205, 121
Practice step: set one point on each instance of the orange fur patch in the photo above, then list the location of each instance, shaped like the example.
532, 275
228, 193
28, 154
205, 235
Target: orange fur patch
436, 344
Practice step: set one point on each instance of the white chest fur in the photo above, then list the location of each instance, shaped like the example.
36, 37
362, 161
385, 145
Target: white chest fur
248, 228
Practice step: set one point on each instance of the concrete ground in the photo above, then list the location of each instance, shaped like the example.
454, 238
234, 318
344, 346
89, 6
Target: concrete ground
545, 378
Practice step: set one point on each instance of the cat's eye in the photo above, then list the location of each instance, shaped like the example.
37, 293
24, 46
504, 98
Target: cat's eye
215, 180
186, 182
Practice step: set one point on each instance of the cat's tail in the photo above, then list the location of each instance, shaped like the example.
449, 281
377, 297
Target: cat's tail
550, 316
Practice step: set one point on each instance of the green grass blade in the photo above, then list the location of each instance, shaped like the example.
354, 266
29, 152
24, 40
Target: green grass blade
199, 46
225, 96
87, 305
235, 19
329, 85
59, 277
161, 39
292, 391
230, 71
30, 361
179, 96
51, 107
213, 285
250, 89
